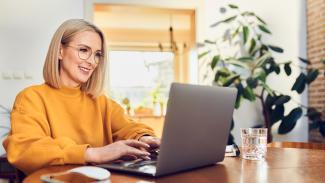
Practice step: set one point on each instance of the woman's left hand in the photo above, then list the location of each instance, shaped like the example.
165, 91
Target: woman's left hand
154, 142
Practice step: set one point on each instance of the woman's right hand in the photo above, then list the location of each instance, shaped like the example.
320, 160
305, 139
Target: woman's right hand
116, 151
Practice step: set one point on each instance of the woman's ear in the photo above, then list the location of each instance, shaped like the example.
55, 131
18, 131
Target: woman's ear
60, 52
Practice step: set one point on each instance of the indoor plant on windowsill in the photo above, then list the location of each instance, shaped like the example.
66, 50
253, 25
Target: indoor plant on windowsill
248, 65
5, 126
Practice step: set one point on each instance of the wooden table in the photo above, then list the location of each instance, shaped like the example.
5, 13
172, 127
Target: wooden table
281, 165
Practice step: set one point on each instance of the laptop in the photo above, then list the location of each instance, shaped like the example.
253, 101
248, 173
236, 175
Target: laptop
195, 133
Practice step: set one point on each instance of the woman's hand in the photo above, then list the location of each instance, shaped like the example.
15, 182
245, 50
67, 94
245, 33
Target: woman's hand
154, 142
117, 150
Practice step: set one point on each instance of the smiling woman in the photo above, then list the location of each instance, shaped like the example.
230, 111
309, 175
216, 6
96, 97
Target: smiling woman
67, 120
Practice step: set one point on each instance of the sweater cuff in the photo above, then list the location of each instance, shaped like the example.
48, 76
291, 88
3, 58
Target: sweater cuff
75, 154
139, 135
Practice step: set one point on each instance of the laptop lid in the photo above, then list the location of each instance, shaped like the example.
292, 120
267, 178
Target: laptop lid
196, 128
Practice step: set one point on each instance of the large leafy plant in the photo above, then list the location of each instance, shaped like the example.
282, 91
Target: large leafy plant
241, 58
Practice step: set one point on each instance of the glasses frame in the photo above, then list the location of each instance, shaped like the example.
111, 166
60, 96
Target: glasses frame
77, 48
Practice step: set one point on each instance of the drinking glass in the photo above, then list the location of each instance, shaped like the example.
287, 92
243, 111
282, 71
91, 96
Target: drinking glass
254, 141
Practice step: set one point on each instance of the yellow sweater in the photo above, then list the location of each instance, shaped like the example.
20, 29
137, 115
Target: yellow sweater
55, 126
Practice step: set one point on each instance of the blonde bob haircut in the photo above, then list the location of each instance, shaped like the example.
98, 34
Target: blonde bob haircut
64, 34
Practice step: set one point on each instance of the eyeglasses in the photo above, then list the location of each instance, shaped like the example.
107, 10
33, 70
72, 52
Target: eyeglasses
84, 53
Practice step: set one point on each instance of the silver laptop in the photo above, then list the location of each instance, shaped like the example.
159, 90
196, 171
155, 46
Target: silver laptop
195, 133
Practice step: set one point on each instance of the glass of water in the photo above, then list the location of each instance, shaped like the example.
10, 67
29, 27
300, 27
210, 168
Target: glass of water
254, 141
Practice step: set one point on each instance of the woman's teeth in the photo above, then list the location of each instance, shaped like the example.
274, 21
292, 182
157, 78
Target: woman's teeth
84, 69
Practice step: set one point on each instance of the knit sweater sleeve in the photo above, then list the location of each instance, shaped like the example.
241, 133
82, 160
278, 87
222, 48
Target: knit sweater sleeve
123, 127
29, 145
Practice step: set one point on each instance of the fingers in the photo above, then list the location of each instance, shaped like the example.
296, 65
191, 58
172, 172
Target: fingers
137, 144
154, 142
136, 152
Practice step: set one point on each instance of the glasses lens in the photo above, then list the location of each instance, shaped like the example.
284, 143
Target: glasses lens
98, 57
84, 53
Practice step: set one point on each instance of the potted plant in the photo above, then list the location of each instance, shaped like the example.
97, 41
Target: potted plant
241, 58
6, 112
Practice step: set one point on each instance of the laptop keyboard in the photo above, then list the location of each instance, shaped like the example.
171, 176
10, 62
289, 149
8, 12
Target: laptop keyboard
139, 162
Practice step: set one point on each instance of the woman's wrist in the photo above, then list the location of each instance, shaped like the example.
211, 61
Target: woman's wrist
90, 156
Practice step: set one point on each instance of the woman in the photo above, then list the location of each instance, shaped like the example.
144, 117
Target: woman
67, 120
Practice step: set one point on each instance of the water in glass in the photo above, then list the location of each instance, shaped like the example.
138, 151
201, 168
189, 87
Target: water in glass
254, 141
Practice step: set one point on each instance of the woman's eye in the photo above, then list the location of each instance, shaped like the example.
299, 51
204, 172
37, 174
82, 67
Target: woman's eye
99, 55
83, 49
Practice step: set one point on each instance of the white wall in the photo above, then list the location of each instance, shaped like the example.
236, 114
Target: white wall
287, 21
26, 28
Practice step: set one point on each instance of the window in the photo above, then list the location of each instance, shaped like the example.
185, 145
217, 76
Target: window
149, 48
143, 77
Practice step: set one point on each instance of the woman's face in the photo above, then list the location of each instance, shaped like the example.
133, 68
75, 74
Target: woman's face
79, 58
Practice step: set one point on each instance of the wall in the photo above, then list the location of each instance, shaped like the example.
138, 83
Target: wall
316, 51
26, 28
287, 21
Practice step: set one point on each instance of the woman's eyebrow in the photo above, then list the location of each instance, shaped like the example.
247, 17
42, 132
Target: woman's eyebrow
83, 45
88, 47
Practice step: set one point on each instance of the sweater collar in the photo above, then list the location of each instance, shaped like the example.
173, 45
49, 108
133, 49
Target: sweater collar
70, 91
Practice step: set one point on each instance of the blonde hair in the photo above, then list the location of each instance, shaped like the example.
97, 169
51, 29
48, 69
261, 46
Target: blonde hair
64, 34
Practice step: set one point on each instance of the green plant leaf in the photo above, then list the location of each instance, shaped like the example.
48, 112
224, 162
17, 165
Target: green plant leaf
209, 42
246, 59
313, 125
233, 6
269, 101
245, 33
259, 37
304, 60
312, 75
287, 69
252, 82
267, 88
230, 80
264, 29
248, 13
300, 83
276, 114
282, 100
224, 72
289, 121
261, 60
227, 20
235, 33
240, 90
216, 77
249, 94
313, 114
252, 46
238, 63
260, 74
238, 101
214, 62
276, 48
201, 55
277, 69
261, 20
